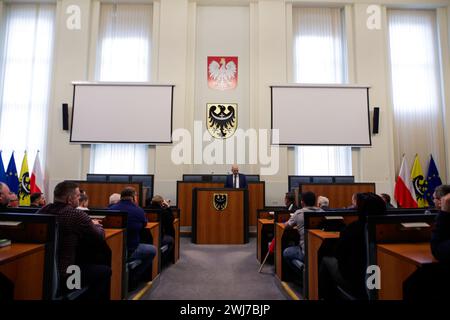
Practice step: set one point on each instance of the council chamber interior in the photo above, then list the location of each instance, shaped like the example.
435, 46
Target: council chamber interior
341, 100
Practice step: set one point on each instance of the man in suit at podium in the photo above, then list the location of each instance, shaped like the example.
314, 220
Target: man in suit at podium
236, 179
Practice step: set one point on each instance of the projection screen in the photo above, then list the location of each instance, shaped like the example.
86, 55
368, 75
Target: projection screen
321, 115
121, 113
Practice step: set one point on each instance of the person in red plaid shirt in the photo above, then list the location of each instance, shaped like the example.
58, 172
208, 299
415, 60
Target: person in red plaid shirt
74, 228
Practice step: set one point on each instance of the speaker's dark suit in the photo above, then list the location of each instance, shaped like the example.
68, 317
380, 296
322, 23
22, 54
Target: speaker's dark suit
242, 181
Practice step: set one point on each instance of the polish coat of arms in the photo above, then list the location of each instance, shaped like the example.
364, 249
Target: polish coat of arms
222, 72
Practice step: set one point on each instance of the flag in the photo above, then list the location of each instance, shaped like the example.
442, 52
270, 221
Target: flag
24, 186
3, 177
11, 175
37, 179
419, 183
404, 190
433, 181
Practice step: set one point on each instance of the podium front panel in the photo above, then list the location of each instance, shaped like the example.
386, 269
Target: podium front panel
215, 225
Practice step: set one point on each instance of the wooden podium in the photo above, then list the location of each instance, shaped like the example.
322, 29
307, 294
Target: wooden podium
219, 216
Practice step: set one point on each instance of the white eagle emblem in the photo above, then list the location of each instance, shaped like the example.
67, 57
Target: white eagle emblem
222, 76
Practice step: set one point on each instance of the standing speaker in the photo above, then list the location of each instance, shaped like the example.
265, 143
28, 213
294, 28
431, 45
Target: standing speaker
65, 116
376, 119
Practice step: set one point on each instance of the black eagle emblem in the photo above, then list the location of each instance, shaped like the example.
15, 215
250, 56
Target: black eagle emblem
220, 201
420, 186
222, 120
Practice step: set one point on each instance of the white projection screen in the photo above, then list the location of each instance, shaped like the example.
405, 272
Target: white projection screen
121, 113
321, 115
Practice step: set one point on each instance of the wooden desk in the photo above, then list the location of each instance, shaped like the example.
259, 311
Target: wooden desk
264, 226
114, 239
315, 240
23, 264
397, 262
153, 227
176, 245
279, 230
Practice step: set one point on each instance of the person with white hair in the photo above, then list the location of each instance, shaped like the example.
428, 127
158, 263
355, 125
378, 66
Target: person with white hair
113, 199
323, 203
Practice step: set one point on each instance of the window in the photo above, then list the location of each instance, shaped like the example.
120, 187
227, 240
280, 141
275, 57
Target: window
25, 79
320, 57
415, 73
123, 54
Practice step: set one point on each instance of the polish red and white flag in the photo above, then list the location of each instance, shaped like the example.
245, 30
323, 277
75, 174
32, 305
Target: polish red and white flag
404, 189
37, 179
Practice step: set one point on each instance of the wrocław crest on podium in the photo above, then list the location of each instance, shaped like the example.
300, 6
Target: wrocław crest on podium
220, 201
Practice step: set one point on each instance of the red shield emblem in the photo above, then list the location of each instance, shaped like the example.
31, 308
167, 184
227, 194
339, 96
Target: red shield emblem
222, 72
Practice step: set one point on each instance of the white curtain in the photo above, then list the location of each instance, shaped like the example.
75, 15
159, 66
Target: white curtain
123, 54
415, 72
320, 57
25, 80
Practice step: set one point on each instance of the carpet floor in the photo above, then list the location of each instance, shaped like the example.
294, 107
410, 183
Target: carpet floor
216, 272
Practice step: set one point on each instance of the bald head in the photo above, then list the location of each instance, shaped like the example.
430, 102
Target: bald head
4, 194
235, 169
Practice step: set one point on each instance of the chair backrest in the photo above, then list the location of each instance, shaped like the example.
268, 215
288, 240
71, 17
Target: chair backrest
343, 179
322, 179
295, 181
328, 219
412, 211
153, 215
111, 219
20, 210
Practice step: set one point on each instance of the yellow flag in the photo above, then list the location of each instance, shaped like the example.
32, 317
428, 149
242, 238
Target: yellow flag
24, 183
419, 183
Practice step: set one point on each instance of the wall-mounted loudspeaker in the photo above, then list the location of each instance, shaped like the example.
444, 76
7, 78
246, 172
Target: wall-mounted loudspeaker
65, 116
376, 120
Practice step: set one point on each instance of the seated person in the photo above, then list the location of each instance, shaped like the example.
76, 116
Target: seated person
440, 237
136, 223
167, 229
76, 226
347, 268
37, 200
387, 200
113, 199
439, 193
431, 281
13, 200
297, 252
289, 201
354, 205
4, 195
84, 202
323, 203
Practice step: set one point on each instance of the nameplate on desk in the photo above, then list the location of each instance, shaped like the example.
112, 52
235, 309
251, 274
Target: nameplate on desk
98, 217
415, 225
10, 223
334, 217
